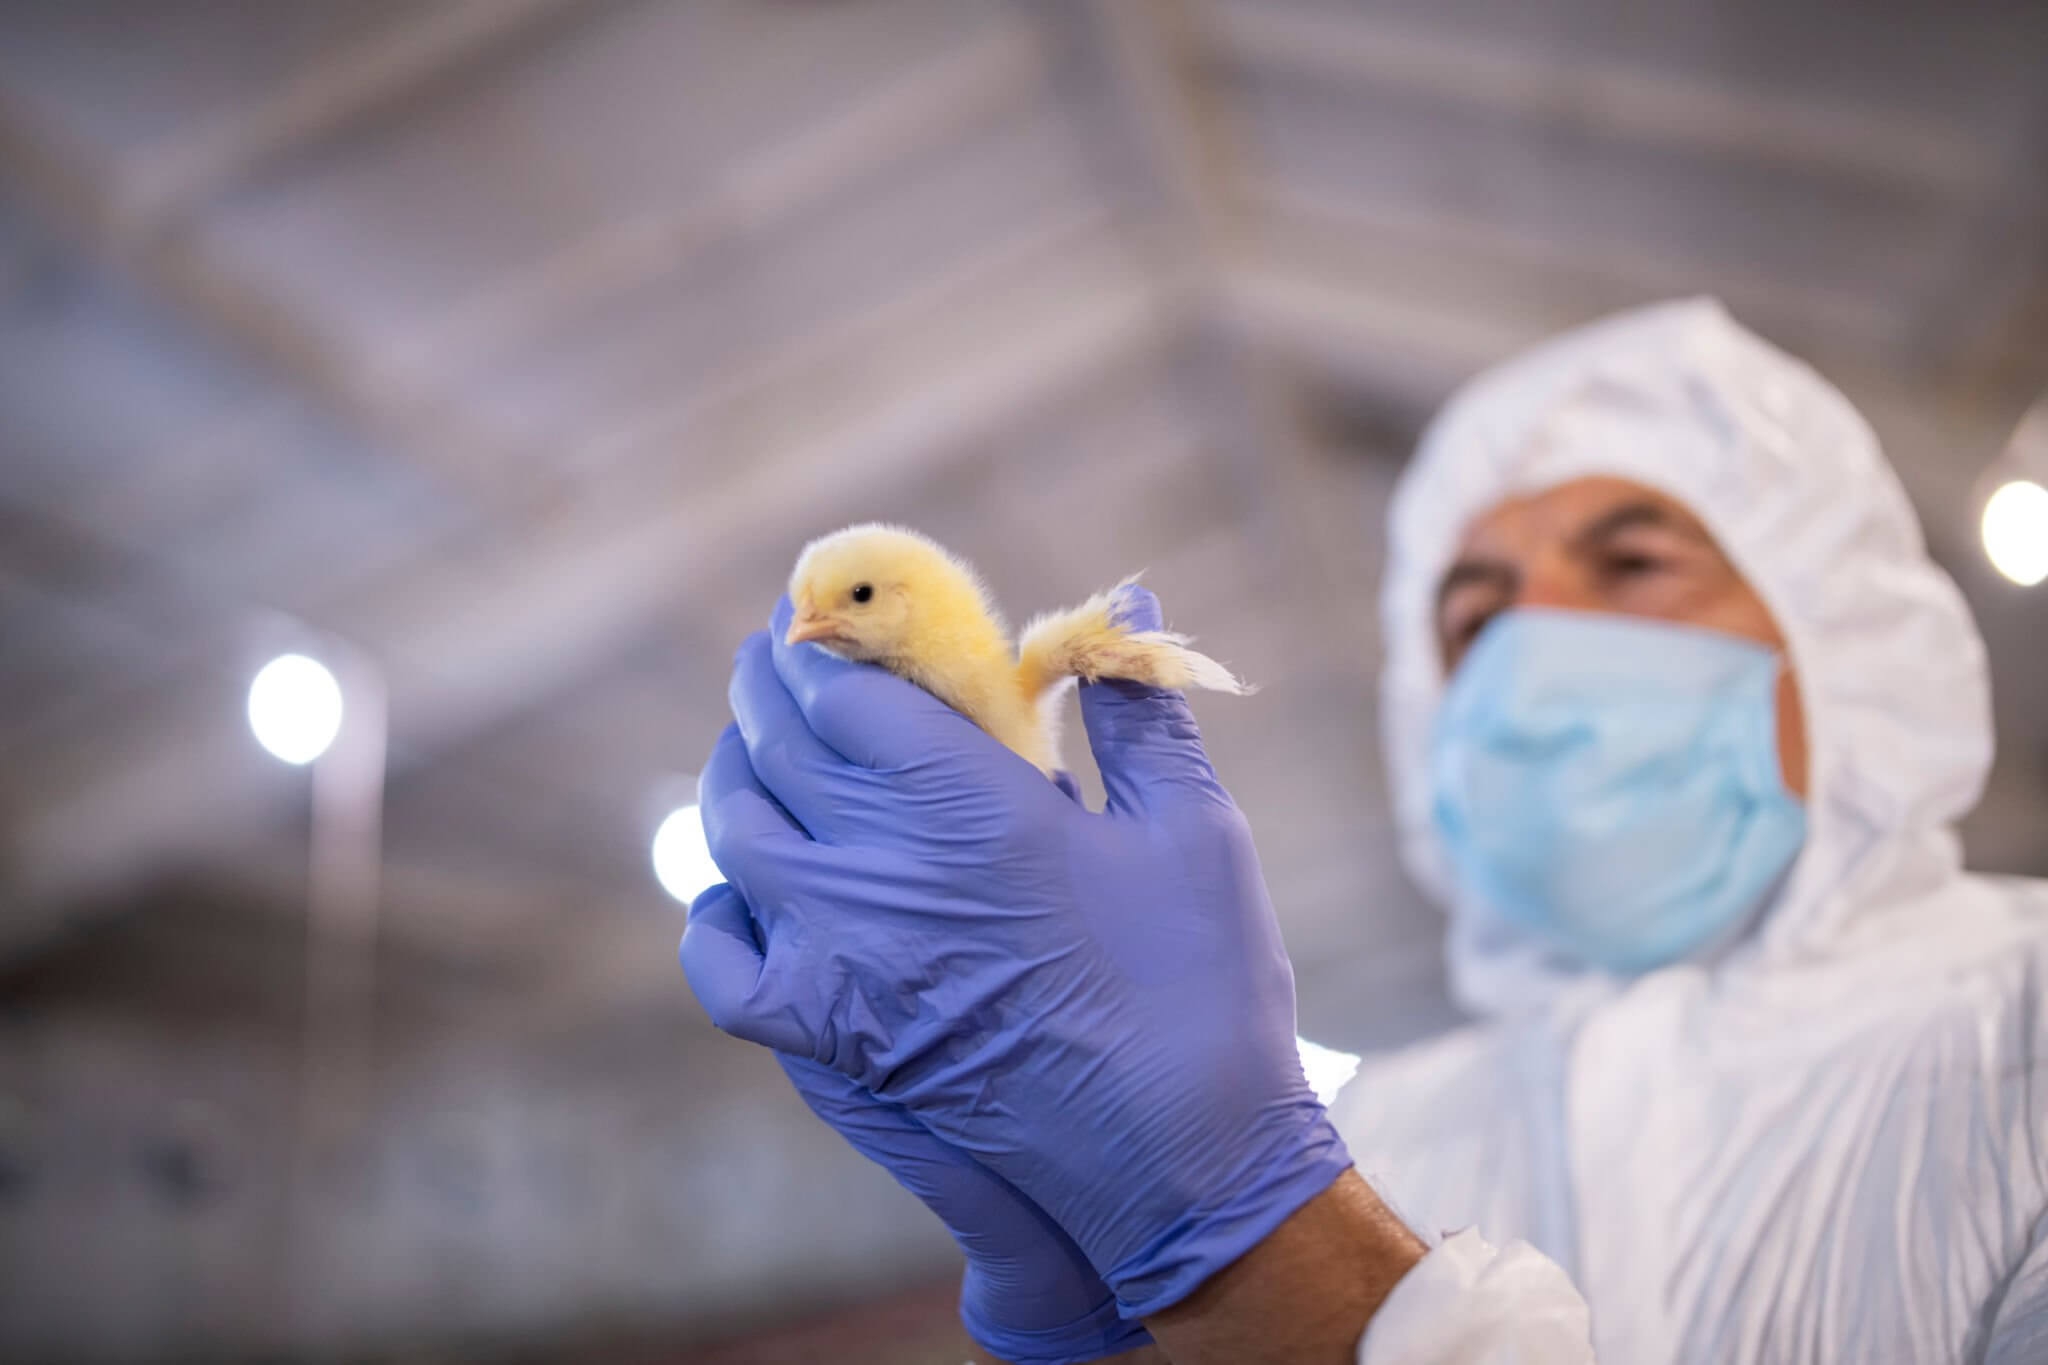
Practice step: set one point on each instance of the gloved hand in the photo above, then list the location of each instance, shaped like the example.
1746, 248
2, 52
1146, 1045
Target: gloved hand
1029, 1295
1095, 1006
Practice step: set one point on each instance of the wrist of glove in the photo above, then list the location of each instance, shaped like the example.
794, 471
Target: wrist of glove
1095, 1335
1095, 1006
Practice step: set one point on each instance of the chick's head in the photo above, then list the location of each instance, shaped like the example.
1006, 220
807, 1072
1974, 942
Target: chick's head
881, 594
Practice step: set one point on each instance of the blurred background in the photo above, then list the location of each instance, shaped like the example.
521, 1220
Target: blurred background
500, 355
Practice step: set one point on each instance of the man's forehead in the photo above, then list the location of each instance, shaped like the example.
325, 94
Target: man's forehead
1560, 515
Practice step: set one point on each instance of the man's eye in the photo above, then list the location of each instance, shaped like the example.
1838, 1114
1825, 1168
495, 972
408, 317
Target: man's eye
1463, 633
1630, 565
863, 592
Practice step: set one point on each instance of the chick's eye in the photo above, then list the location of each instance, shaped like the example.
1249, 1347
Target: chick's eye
863, 592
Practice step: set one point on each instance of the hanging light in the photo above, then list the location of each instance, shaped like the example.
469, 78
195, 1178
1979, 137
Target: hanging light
682, 859
2015, 529
295, 707
1326, 1069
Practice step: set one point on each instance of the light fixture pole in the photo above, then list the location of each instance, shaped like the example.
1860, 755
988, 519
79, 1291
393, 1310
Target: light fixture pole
341, 904
329, 713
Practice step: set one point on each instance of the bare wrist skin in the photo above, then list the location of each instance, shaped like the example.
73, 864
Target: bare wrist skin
1304, 1295
1301, 1297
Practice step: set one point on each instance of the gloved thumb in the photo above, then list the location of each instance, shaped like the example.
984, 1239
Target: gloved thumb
1144, 738
723, 959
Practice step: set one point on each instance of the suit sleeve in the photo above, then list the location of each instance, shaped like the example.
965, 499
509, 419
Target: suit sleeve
1466, 1303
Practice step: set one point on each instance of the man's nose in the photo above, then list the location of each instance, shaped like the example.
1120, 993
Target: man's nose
1560, 583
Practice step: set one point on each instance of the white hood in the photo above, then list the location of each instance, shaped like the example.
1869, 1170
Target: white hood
1789, 478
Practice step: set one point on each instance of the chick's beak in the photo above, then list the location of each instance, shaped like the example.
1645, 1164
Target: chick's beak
811, 625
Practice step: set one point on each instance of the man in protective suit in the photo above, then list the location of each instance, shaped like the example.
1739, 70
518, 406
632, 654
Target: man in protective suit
1757, 1062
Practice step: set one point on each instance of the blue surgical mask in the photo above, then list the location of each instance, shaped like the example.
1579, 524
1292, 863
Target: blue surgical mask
1611, 784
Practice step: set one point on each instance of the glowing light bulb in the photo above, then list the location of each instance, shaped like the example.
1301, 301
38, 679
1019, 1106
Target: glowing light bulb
295, 708
2016, 531
682, 860
1327, 1070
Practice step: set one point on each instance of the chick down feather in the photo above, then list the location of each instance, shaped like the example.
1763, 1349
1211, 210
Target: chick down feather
893, 597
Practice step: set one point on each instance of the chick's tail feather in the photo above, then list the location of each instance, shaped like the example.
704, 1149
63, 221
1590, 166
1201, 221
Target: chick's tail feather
1087, 643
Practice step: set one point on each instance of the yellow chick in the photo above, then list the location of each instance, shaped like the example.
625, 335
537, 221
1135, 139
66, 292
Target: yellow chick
890, 596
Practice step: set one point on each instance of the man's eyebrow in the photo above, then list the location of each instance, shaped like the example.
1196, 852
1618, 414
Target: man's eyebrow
1630, 515
1472, 572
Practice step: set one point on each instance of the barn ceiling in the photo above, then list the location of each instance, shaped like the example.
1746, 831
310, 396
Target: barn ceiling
520, 343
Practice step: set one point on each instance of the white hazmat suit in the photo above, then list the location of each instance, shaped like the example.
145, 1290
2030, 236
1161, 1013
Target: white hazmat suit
1830, 1144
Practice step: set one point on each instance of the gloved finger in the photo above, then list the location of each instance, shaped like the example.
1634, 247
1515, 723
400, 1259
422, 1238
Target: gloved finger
1030, 1293
1144, 739
948, 1180
726, 967
791, 761
881, 1130
867, 714
991, 1219
728, 772
744, 825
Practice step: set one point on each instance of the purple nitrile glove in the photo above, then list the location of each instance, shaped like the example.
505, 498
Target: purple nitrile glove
1096, 1006
1029, 1295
